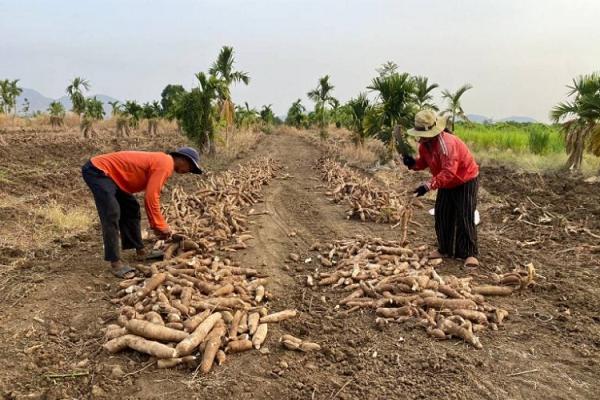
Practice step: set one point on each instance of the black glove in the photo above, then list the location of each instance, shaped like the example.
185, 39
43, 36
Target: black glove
421, 190
408, 160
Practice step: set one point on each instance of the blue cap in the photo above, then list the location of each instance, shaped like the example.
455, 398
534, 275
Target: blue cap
192, 155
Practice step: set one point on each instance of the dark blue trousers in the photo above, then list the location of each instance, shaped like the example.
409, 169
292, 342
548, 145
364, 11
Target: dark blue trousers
119, 213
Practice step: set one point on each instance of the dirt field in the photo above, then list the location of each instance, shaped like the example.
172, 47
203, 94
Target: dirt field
54, 290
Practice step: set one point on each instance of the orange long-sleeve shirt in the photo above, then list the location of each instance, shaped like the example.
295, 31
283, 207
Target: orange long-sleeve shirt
137, 171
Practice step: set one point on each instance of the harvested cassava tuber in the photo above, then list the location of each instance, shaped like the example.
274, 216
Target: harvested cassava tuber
140, 344
451, 304
151, 284
212, 346
189, 344
489, 290
475, 316
221, 357
233, 328
452, 328
237, 346
149, 330
279, 316
253, 320
259, 336
309, 346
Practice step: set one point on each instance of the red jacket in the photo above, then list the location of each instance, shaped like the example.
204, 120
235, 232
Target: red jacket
137, 171
449, 161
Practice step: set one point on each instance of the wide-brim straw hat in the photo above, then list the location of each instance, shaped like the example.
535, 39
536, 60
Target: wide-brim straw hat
427, 124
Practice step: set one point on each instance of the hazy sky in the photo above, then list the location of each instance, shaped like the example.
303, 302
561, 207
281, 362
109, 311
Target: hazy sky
518, 54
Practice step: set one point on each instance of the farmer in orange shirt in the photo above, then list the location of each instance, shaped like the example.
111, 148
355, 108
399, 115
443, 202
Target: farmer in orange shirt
113, 178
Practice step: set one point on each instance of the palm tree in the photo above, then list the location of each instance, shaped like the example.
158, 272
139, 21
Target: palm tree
115, 107
388, 68
222, 68
75, 92
295, 115
245, 116
454, 105
423, 96
359, 107
583, 129
321, 95
94, 111
195, 111
57, 114
267, 115
394, 105
151, 112
134, 113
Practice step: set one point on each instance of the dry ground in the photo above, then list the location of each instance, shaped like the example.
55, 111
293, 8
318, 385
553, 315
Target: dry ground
54, 289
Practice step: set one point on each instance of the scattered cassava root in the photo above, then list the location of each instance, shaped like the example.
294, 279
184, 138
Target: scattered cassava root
195, 307
367, 200
401, 285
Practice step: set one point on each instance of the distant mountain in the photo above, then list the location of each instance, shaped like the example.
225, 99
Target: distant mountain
478, 118
518, 119
482, 118
39, 102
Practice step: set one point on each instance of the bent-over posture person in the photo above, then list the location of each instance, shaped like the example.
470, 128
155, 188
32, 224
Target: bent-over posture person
455, 177
113, 178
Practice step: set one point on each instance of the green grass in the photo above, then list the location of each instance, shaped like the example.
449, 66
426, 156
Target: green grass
532, 147
519, 138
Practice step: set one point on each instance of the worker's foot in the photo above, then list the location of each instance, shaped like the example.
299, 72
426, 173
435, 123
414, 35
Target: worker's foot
471, 262
143, 255
121, 270
435, 254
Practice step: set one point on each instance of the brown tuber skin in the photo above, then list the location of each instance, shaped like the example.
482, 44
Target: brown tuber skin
279, 316
149, 330
140, 344
238, 346
189, 344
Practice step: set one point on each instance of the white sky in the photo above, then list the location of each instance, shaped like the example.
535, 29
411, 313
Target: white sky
518, 55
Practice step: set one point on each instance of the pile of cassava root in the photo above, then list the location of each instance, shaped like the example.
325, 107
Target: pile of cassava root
194, 307
401, 285
367, 200
212, 214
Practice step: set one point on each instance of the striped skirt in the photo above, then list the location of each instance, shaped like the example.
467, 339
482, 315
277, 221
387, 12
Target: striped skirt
455, 220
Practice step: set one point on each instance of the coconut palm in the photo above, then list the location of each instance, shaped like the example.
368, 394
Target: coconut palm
422, 96
94, 111
222, 68
454, 105
321, 95
295, 115
75, 92
582, 130
359, 107
57, 114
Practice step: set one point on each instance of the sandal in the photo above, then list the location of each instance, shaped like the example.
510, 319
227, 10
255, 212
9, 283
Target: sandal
471, 262
125, 272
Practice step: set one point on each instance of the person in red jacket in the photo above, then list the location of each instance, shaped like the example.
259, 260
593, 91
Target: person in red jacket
113, 179
455, 177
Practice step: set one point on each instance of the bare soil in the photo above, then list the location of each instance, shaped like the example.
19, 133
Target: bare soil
55, 297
